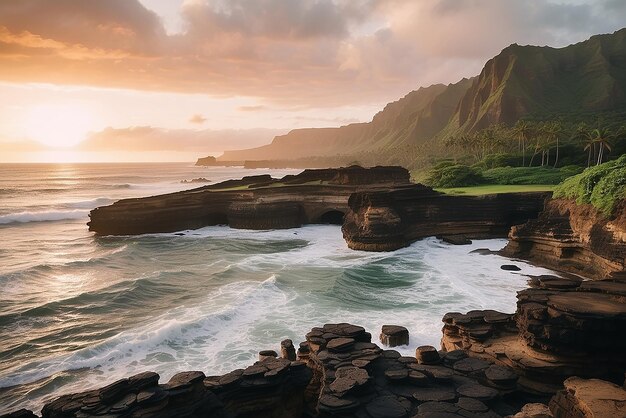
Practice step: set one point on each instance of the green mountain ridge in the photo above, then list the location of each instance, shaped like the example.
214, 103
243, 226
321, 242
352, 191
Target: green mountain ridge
416, 117
521, 82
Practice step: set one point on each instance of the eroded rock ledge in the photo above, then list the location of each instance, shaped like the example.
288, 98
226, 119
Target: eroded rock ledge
574, 238
385, 220
339, 372
255, 202
562, 328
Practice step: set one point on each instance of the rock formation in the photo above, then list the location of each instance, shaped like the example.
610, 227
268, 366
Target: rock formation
575, 238
270, 388
341, 373
256, 202
379, 208
207, 161
562, 328
385, 220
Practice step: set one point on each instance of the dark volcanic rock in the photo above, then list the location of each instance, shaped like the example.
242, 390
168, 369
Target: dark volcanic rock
455, 239
427, 354
394, 335
562, 327
365, 381
510, 267
575, 238
256, 202
392, 219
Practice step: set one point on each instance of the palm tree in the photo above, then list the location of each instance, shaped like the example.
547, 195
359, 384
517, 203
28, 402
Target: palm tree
582, 134
524, 130
554, 131
600, 137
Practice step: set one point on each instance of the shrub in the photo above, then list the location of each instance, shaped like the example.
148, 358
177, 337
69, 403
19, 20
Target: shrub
446, 175
602, 186
497, 160
529, 175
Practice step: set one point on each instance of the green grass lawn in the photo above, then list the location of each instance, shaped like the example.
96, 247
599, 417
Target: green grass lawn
498, 188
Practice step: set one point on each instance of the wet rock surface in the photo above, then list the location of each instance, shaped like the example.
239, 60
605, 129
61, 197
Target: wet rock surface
483, 373
385, 220
368, 381
574, 238
273, 387
563, 327
394, 335
254, 202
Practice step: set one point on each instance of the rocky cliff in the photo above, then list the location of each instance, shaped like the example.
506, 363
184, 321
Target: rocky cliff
562, 328
544, 82
256, 202
587, 78
414, 118
339, 372
575, 238
391, 219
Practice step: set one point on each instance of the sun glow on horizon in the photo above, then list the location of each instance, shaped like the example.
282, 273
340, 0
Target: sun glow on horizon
59, 125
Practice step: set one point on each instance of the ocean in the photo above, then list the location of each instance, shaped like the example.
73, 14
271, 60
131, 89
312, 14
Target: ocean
79, 311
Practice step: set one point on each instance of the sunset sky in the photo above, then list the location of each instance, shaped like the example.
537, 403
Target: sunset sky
164, 75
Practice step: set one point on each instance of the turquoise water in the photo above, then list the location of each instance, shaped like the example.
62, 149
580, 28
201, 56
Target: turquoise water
79, 311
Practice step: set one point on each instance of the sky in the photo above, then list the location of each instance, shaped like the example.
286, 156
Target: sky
188, 71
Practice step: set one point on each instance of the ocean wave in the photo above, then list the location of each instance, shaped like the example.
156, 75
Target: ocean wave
235, 306
91, 203
42, 216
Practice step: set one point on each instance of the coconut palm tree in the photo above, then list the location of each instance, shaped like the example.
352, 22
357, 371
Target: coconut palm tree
553, 132
524, 130
601, 138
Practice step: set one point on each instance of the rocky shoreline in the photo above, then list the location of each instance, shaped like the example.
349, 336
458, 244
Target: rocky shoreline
560, 355
379, 208
574, 238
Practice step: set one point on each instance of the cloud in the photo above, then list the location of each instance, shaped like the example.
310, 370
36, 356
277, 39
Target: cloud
254, 108
198, 119
303, 53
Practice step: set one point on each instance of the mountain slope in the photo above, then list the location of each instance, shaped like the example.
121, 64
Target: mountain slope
544, 82
416, 117
521, 82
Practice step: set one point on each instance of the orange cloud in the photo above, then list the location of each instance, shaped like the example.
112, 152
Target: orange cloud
295, 53
197, 118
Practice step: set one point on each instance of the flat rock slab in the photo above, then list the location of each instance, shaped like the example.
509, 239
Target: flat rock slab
477, 391
340, 344
588, 304
435, 394
388, 407
438, 373
348, 378
472, 405
453, 356
471, 365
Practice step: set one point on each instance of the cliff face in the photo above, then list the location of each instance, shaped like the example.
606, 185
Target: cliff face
521, 80
416, 117
574, 238
542, 82
257, 202
562, 328
388, 220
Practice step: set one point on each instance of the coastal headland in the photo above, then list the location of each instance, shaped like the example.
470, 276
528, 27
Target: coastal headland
559, 355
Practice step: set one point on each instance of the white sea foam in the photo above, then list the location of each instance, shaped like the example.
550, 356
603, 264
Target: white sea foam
91, 203
42, 216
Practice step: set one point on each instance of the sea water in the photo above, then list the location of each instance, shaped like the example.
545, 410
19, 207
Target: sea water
79, 311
